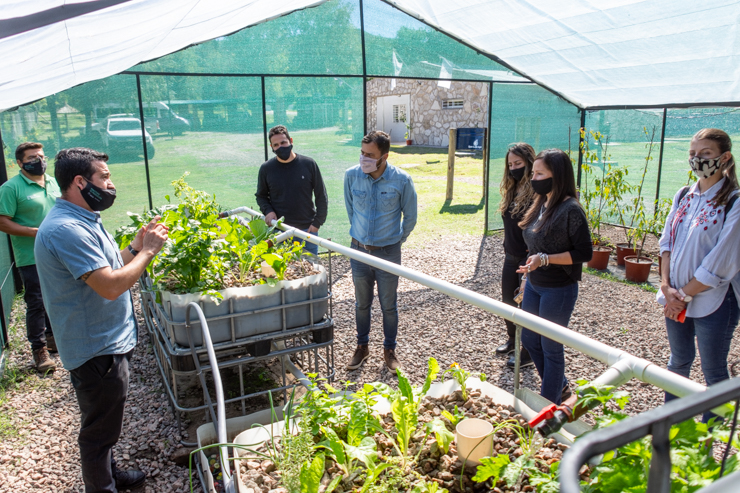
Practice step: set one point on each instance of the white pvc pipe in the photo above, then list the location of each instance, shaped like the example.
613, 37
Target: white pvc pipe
220, 402
629, 366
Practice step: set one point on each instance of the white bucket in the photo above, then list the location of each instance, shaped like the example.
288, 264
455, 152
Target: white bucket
474, 440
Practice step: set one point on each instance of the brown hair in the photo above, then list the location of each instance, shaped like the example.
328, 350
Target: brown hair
381, 139
563, 186
277, 129
20, 151
519, 193
727, 168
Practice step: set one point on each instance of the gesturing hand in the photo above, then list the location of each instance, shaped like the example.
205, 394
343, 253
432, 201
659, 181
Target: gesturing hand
532, 263
154, 238
138, 242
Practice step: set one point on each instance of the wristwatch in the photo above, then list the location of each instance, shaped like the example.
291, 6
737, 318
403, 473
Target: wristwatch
133, 252
686, 297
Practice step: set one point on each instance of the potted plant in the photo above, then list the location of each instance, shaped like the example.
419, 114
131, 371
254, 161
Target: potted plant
627, 214
593, 195
407, 135
637, 267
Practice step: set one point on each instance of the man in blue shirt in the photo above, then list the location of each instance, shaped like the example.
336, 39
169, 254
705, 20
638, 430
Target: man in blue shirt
377, 196
85, 282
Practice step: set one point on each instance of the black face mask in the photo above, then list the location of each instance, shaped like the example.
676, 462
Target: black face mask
542, 187
283, 152
99, 199
517, 173
37, 167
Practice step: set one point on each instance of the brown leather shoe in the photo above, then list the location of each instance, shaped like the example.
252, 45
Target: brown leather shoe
361, 354
390, 359
51, 343
43, 361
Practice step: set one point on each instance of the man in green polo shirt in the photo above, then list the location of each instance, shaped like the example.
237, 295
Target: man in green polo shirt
25, 200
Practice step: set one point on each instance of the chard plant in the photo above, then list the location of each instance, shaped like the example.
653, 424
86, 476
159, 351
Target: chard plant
461, 377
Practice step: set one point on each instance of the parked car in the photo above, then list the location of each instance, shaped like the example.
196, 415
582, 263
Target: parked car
122, 133
160, 118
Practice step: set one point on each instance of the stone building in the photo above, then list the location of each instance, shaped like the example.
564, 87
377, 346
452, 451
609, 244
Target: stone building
429, 109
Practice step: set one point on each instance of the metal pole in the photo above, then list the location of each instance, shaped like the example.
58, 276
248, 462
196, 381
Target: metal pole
487, 174
639, 368
660, 160
580, 143
143, 141
264, 120
17, 281
364, 69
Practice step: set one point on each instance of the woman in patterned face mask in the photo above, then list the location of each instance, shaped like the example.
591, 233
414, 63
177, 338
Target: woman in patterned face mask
701, 261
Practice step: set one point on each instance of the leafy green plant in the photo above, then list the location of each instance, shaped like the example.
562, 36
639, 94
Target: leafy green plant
455, 418
461, 377
203, 249
594, 196
693, 465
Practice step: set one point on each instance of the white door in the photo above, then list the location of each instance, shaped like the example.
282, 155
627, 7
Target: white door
392, 113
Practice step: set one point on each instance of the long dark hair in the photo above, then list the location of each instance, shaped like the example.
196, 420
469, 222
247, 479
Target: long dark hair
563, 186
519, 192
727, 169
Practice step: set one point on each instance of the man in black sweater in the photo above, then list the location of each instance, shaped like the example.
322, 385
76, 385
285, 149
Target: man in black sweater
287, 185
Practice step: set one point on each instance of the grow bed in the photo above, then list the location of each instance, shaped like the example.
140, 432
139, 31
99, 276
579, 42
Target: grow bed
429, 462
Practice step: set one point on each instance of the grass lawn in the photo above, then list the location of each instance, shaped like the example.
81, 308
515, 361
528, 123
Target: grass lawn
226, 164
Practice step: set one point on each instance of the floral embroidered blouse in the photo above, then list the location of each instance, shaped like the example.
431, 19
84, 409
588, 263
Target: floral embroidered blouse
703, 244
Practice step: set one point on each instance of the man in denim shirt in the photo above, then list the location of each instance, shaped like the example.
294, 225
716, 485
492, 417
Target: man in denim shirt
376, 195
85, 282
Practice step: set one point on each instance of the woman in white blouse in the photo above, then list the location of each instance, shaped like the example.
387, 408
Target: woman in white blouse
701, 260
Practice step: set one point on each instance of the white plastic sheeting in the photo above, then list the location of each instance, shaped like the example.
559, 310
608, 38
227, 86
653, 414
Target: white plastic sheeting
604, 52
63, 54
593, 53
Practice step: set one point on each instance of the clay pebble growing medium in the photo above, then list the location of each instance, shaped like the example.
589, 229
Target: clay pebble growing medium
434, 465
44, 456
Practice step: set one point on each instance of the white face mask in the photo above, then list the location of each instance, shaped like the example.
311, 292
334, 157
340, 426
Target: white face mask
704, 168
368, 164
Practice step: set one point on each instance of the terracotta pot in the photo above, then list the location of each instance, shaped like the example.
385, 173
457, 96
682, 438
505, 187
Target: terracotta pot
600, 258
637, 269
409, 142
623, 250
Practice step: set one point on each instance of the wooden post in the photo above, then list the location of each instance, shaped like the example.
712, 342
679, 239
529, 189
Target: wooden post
451, 162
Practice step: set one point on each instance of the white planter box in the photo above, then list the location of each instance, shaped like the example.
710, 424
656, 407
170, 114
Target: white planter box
245, 300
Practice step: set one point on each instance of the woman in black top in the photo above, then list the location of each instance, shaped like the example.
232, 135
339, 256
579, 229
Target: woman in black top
556, 232
516, 197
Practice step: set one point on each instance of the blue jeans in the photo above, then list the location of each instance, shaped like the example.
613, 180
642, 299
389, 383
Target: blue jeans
555, 305
713, 334
365, 278
310, 247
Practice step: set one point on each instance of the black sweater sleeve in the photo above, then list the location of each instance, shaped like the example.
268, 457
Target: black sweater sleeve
321, 197
263, 191
580, 236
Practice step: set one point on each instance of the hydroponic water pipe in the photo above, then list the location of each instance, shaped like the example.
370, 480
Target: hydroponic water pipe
630, 366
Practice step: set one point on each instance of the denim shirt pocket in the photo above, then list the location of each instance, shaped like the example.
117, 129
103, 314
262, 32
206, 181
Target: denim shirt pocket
358, 198
389, 200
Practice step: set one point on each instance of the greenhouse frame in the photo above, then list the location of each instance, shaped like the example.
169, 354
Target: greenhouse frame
205, 80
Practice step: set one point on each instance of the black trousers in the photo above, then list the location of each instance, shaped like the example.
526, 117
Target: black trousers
37, 322
101, 385
510, 281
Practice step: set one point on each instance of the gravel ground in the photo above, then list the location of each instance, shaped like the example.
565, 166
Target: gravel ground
43, 455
